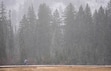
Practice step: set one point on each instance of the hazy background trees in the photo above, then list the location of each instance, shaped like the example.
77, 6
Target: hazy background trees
6, 37
73, 36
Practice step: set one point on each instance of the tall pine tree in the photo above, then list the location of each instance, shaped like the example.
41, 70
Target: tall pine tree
3, 34
69, 24
44, 33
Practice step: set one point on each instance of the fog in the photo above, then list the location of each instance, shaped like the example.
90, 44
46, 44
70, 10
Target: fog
55, 32
19, 7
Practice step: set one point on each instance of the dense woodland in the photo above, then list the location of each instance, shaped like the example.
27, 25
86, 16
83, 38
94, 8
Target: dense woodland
76, 37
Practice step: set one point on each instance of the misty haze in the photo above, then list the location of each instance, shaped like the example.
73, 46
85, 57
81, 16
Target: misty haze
55, 32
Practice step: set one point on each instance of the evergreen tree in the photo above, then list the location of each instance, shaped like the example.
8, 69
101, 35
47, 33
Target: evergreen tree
100, 30
88, 37
10, 41
22, 34
3, 27
95, 17
69, 27
88, 15
44, 33
31, 34
80, 16
78, 35
56, 43
108, 34
28, 39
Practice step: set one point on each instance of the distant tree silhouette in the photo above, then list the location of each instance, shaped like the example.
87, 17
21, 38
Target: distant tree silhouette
2, 34
44, 33
69, 24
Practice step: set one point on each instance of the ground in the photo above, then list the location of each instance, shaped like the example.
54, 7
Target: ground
54, 68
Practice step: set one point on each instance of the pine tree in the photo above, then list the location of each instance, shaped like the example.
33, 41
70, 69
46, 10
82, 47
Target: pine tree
88, 15
78, 35
69, 28
80, 16
31, 15
108, 32
100, 30
88, 37
3, 28
22, 34
31, 39
44, 33
10, 40
80, 19
95, 17
56, 42
28, 38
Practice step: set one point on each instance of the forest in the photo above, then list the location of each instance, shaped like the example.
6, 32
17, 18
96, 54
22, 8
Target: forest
74, 37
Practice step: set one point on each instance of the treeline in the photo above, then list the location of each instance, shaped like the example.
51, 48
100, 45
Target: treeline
73, 37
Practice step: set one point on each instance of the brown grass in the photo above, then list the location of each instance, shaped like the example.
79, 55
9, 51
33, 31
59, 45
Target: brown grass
56, 68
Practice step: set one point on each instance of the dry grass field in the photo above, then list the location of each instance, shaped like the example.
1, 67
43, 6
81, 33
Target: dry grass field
55, 68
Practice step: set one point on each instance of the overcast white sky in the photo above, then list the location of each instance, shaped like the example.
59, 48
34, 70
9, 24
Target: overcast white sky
93, 3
